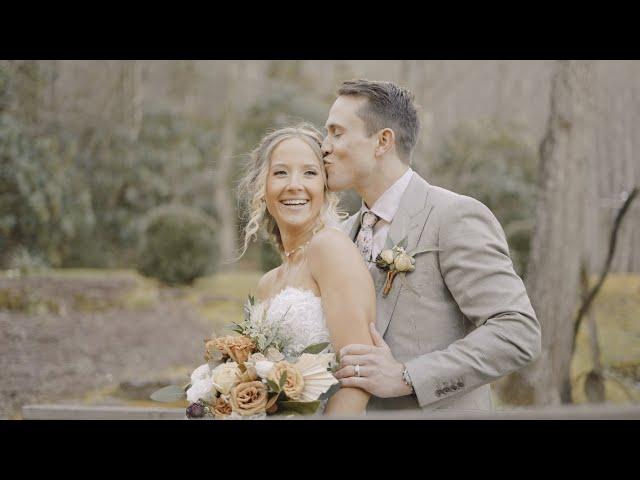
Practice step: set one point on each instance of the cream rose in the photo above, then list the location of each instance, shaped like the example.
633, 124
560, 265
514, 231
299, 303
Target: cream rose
273, 355
225, 377
387, 256
249, 374
294, 385
249, 398
404, 263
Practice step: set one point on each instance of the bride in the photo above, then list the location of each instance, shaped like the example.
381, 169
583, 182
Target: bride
322, 282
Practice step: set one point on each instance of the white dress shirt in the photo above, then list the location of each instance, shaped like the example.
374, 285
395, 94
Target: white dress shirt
386, 208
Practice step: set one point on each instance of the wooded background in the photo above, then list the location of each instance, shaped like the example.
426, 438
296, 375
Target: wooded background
91, 150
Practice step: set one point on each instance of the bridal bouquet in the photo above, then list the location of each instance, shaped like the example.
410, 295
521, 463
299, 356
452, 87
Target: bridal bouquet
248, 376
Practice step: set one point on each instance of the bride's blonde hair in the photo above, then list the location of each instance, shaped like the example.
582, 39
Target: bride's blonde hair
253, 186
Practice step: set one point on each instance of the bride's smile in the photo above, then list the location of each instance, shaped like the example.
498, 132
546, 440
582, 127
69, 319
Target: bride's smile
295, 186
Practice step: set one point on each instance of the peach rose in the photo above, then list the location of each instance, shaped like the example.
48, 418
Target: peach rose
211, 351
221, 408
294, 384
238, 347
249, 398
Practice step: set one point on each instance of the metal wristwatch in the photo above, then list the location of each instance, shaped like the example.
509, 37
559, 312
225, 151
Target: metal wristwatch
407, 379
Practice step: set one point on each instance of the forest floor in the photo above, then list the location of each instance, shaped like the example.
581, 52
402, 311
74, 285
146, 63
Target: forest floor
106, 337
99, 337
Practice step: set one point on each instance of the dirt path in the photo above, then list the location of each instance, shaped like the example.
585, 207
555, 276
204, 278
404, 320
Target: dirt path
61, 354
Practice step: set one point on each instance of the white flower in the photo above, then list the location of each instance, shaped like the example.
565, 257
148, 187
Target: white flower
263, 367
201, 373
224, 377
317, 379
202, 390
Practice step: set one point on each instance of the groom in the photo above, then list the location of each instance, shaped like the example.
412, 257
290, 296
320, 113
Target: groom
462, 318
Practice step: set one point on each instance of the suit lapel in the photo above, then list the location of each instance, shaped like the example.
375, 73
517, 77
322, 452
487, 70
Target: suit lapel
409, 221
351, 224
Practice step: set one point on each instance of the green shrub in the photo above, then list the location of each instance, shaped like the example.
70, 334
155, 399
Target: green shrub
177, 244
45, 205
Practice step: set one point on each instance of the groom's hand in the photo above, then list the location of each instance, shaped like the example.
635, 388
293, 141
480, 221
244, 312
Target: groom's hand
380, 373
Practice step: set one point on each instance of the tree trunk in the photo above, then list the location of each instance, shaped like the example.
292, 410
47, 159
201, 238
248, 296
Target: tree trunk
223, 194
131, 97
553, 279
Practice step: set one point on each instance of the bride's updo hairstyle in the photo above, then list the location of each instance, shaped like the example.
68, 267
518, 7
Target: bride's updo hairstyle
253, 186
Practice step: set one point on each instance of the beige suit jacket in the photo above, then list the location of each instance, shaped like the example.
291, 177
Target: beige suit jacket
465, 318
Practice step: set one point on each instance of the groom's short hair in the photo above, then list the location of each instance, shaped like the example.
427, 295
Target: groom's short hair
388, 106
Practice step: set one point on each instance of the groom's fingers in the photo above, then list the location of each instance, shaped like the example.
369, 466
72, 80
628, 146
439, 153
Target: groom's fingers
356, 349
350, 371
356, 360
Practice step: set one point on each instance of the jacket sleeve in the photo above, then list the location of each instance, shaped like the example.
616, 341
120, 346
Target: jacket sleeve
477, 270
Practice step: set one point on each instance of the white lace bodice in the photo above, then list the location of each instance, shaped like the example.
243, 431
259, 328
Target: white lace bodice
304, 323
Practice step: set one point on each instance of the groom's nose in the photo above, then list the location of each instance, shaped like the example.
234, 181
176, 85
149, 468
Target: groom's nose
325, 148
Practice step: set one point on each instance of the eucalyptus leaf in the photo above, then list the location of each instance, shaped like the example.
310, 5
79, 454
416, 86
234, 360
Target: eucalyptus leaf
316, 348
388, 245
274, 386
237, 329
283, 379
169, 394
303, 408
404, 242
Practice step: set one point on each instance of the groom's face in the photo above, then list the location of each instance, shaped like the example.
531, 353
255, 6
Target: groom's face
349, 153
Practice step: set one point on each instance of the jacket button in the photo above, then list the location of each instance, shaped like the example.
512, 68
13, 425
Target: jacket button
447, 389
460, 384
438, 393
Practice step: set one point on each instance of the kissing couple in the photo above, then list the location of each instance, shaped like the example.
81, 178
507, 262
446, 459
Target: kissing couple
416, 291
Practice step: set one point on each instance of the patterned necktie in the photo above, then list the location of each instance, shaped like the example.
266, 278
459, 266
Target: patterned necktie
364, 240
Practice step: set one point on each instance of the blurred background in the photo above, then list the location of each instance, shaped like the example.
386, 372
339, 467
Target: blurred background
118, 210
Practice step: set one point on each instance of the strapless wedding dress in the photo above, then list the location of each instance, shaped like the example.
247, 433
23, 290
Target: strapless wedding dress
299, 313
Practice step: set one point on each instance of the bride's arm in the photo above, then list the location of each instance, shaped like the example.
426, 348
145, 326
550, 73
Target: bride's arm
349, 303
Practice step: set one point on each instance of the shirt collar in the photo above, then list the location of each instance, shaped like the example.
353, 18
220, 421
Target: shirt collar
387, 205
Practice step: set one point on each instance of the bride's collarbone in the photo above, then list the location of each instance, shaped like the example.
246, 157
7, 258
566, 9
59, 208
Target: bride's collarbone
300, 279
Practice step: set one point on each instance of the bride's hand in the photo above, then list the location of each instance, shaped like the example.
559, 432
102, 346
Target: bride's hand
380, 373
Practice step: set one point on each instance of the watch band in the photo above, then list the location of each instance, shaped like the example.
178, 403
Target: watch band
407, 379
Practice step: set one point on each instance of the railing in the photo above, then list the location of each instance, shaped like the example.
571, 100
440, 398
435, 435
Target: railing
565, 412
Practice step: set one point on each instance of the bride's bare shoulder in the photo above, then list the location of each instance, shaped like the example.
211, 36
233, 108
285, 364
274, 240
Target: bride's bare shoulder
330, 241
262, 289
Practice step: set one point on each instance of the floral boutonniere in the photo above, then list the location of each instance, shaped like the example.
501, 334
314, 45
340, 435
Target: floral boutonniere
395, 259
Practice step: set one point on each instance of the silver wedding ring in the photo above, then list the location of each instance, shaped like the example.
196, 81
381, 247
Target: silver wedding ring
357, 370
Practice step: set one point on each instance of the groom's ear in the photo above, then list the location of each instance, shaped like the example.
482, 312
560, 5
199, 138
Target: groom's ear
386, 140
